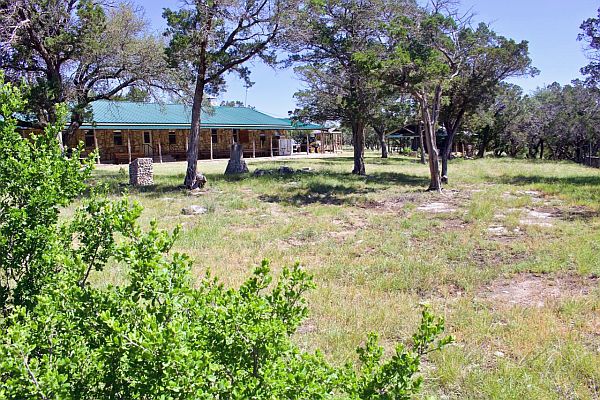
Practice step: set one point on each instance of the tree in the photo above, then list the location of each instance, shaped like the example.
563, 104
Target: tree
77, 52
159, 335
498, 123
489, 59
591, 35
338, 48
232, 103
210, 38
134, 94
568, 117
423, 59
393, 113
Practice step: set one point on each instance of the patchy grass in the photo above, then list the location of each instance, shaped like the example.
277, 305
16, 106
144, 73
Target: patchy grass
377, 250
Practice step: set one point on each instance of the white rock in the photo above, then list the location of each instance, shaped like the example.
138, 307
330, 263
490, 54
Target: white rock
193, 210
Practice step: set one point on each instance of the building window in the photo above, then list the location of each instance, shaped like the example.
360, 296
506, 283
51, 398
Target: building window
236, 136
263, 138
214, 136
89, 139
117, 138
172, 137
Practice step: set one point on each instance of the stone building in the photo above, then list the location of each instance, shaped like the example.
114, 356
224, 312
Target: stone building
124, 131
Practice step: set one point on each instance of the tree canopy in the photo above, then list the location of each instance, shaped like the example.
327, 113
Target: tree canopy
77, 52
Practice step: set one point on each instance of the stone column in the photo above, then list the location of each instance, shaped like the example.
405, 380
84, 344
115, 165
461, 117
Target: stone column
141, 172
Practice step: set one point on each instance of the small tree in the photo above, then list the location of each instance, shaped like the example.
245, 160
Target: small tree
423, 59
393, 113
210, 38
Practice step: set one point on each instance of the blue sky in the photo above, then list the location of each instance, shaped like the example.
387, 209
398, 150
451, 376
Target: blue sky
550, 26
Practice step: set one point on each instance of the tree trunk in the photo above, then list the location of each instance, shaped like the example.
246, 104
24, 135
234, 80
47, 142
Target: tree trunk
485, 141
430, 113
432, 150
358, 138
193, 179
541, 149
451, 129
382, 142
421, 143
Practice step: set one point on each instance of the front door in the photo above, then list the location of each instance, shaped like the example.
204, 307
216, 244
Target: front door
148, 151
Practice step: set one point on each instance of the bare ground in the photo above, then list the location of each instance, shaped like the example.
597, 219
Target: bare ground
537, 290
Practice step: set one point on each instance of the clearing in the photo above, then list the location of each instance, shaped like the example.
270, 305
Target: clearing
510, 254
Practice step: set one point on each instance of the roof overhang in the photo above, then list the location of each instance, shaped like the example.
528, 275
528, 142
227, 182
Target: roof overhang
141, 127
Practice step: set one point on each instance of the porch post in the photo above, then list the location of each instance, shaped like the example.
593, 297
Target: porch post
159, 149
129, 145
253, 146
307, 145
96, 146
211, 144
271, 143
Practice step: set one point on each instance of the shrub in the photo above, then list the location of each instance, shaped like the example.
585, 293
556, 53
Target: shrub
157, 336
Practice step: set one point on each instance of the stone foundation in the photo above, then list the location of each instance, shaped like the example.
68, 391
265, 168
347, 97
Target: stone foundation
141, 172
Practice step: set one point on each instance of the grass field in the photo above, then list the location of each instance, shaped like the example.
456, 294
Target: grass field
509, 254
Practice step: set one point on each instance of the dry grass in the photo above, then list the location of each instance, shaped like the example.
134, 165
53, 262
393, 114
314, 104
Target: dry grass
376, 256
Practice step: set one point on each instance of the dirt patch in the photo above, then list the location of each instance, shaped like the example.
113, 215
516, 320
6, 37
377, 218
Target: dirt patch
537, 217
436, 207
537, 290
448, 201
393, 204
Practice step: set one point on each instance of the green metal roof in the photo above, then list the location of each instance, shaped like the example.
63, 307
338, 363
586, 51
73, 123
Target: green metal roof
129, 115
301, 125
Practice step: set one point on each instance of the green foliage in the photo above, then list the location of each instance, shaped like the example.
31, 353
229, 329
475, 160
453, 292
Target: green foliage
591, 35
77, 52
159, 335
35, 181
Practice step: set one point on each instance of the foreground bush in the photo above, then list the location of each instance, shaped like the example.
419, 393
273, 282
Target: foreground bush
157, 336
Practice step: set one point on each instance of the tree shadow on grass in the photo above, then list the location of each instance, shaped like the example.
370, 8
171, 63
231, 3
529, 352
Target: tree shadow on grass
587, 180
317, 193
336, 188
323, 186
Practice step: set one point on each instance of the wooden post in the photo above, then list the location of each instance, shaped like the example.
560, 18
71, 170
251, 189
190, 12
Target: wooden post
271, 143
253, 146
187, 138
211, 144
159, 149
307, 145
96, 146
129, 145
